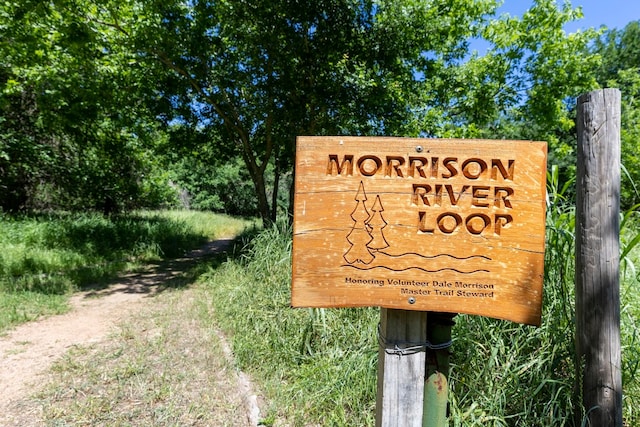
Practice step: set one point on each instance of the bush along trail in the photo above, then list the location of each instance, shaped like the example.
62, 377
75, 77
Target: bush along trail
139, 350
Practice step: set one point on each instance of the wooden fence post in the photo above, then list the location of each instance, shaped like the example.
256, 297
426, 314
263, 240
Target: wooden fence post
598, 258
401, 373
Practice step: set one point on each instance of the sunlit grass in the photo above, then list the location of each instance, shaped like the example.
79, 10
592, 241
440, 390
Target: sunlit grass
21, 307
213, 226
43, 257
630, 318
317, 366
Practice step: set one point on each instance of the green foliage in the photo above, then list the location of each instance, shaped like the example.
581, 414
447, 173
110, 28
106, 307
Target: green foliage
219, 187
620, 52
247, 78
21, 307
74, 132
250, 77
629, 83
54, 254
630, 313
543, 71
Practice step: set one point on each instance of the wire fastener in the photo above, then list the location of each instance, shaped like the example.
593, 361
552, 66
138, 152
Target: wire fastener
405, 348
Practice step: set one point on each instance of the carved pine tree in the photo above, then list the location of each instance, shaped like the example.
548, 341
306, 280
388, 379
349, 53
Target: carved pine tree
376, 223
359, 237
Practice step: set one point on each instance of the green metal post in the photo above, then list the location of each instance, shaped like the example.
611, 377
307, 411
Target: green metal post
436, 387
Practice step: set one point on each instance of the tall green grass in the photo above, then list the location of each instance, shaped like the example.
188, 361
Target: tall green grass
318, 366
630, 315
44, 257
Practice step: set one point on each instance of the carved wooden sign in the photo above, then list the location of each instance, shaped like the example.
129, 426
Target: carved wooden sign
420, 224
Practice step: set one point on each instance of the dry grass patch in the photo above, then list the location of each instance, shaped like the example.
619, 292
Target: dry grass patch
164, 367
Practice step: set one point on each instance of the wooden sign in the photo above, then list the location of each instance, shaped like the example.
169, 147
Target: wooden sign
420, 224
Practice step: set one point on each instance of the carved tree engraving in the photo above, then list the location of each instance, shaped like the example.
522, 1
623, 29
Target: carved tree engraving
359, 237
376, 223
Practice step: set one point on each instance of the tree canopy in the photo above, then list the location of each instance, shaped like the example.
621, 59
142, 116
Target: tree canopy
620, 52
111, 85
73, 126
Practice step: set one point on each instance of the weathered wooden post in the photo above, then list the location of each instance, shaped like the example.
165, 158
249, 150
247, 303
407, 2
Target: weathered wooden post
597, 257
401, 365
424, 229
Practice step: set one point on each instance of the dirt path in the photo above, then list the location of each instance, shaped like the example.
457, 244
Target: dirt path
28, 351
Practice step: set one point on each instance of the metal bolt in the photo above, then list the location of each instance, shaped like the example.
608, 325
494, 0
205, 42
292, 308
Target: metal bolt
412, 300
419, 149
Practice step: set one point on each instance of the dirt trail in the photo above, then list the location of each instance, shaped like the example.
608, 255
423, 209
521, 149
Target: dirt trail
28, 351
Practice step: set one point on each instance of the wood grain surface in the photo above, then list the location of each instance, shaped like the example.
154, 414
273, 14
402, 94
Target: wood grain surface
420, 224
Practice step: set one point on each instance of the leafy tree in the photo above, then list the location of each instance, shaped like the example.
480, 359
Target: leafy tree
73, 132
216, 187
620, 52
544, 70
263, 73
25, 150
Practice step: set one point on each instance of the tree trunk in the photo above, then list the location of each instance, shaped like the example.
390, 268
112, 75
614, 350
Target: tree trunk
276, 183
263, 201
257, 177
